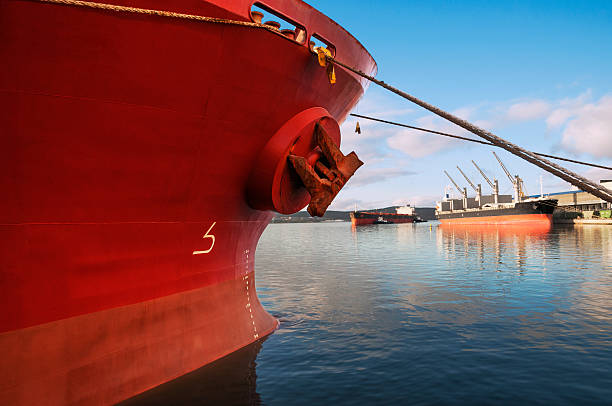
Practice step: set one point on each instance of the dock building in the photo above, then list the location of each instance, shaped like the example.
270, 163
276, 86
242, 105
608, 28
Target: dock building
577, 200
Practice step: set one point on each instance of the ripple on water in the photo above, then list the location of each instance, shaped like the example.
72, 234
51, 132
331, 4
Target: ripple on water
408, 314
400, 313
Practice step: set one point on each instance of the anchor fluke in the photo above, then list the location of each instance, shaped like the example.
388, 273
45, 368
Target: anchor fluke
323, 182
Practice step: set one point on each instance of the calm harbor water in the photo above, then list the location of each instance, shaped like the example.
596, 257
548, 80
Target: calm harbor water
421, 314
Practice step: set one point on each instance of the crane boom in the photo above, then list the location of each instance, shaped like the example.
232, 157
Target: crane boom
483, 174
468, 180
512, 180
456, 186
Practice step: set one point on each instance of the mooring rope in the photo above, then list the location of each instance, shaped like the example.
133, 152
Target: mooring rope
557, 170
159, 13
427, 130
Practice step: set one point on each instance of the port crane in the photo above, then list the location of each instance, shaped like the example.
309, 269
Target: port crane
477, 189
461, 192
494, 185
516, 181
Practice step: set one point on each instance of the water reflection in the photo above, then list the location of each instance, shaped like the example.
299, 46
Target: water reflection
513, 242
232, 380
425, 314
459, 315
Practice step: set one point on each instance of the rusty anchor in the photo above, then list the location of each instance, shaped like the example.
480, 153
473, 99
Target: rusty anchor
323, 189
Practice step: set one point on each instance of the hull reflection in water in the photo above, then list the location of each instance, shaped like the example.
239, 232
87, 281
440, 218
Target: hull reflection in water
511, 243
496, 229
421, 314
231, 380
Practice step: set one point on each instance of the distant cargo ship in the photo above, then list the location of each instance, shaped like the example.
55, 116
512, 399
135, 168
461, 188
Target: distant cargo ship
495, 209
531, 211
403, 214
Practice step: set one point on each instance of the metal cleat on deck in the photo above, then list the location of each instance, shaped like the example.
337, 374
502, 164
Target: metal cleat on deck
325, 185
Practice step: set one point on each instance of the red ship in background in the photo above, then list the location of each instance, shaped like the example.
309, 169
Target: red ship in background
143, 156
403, 214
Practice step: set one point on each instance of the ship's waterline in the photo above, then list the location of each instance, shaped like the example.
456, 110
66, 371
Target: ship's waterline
102, 355
422, 314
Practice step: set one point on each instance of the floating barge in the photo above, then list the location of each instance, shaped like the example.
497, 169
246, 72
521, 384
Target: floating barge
403, 214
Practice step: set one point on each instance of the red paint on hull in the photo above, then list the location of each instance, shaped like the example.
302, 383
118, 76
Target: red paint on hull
362, 222
125, 138
107, 356
535, 219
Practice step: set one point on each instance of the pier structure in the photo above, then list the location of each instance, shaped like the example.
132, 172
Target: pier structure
577, 203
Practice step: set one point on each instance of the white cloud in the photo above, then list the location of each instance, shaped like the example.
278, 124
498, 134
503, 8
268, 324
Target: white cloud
579, 100
566, 108
368, 175
418, 144
558, 117
527, 110
464, 112
590, 129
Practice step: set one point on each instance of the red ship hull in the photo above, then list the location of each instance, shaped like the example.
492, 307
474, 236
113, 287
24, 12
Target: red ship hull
127, 238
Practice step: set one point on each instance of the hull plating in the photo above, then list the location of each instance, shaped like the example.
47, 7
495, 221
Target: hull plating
106, 356
127, 244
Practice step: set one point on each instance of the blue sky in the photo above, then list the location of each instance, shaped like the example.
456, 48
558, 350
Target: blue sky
536, 73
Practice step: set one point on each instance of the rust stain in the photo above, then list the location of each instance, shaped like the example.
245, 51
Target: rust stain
324, 182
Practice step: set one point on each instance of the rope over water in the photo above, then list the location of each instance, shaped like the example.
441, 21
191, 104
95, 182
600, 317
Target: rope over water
557, 170
427, 130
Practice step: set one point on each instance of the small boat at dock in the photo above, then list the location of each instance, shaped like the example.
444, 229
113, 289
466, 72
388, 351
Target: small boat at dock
403, 214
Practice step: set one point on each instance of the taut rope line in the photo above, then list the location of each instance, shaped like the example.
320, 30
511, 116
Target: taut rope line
159, 13
563, 173
427, 130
